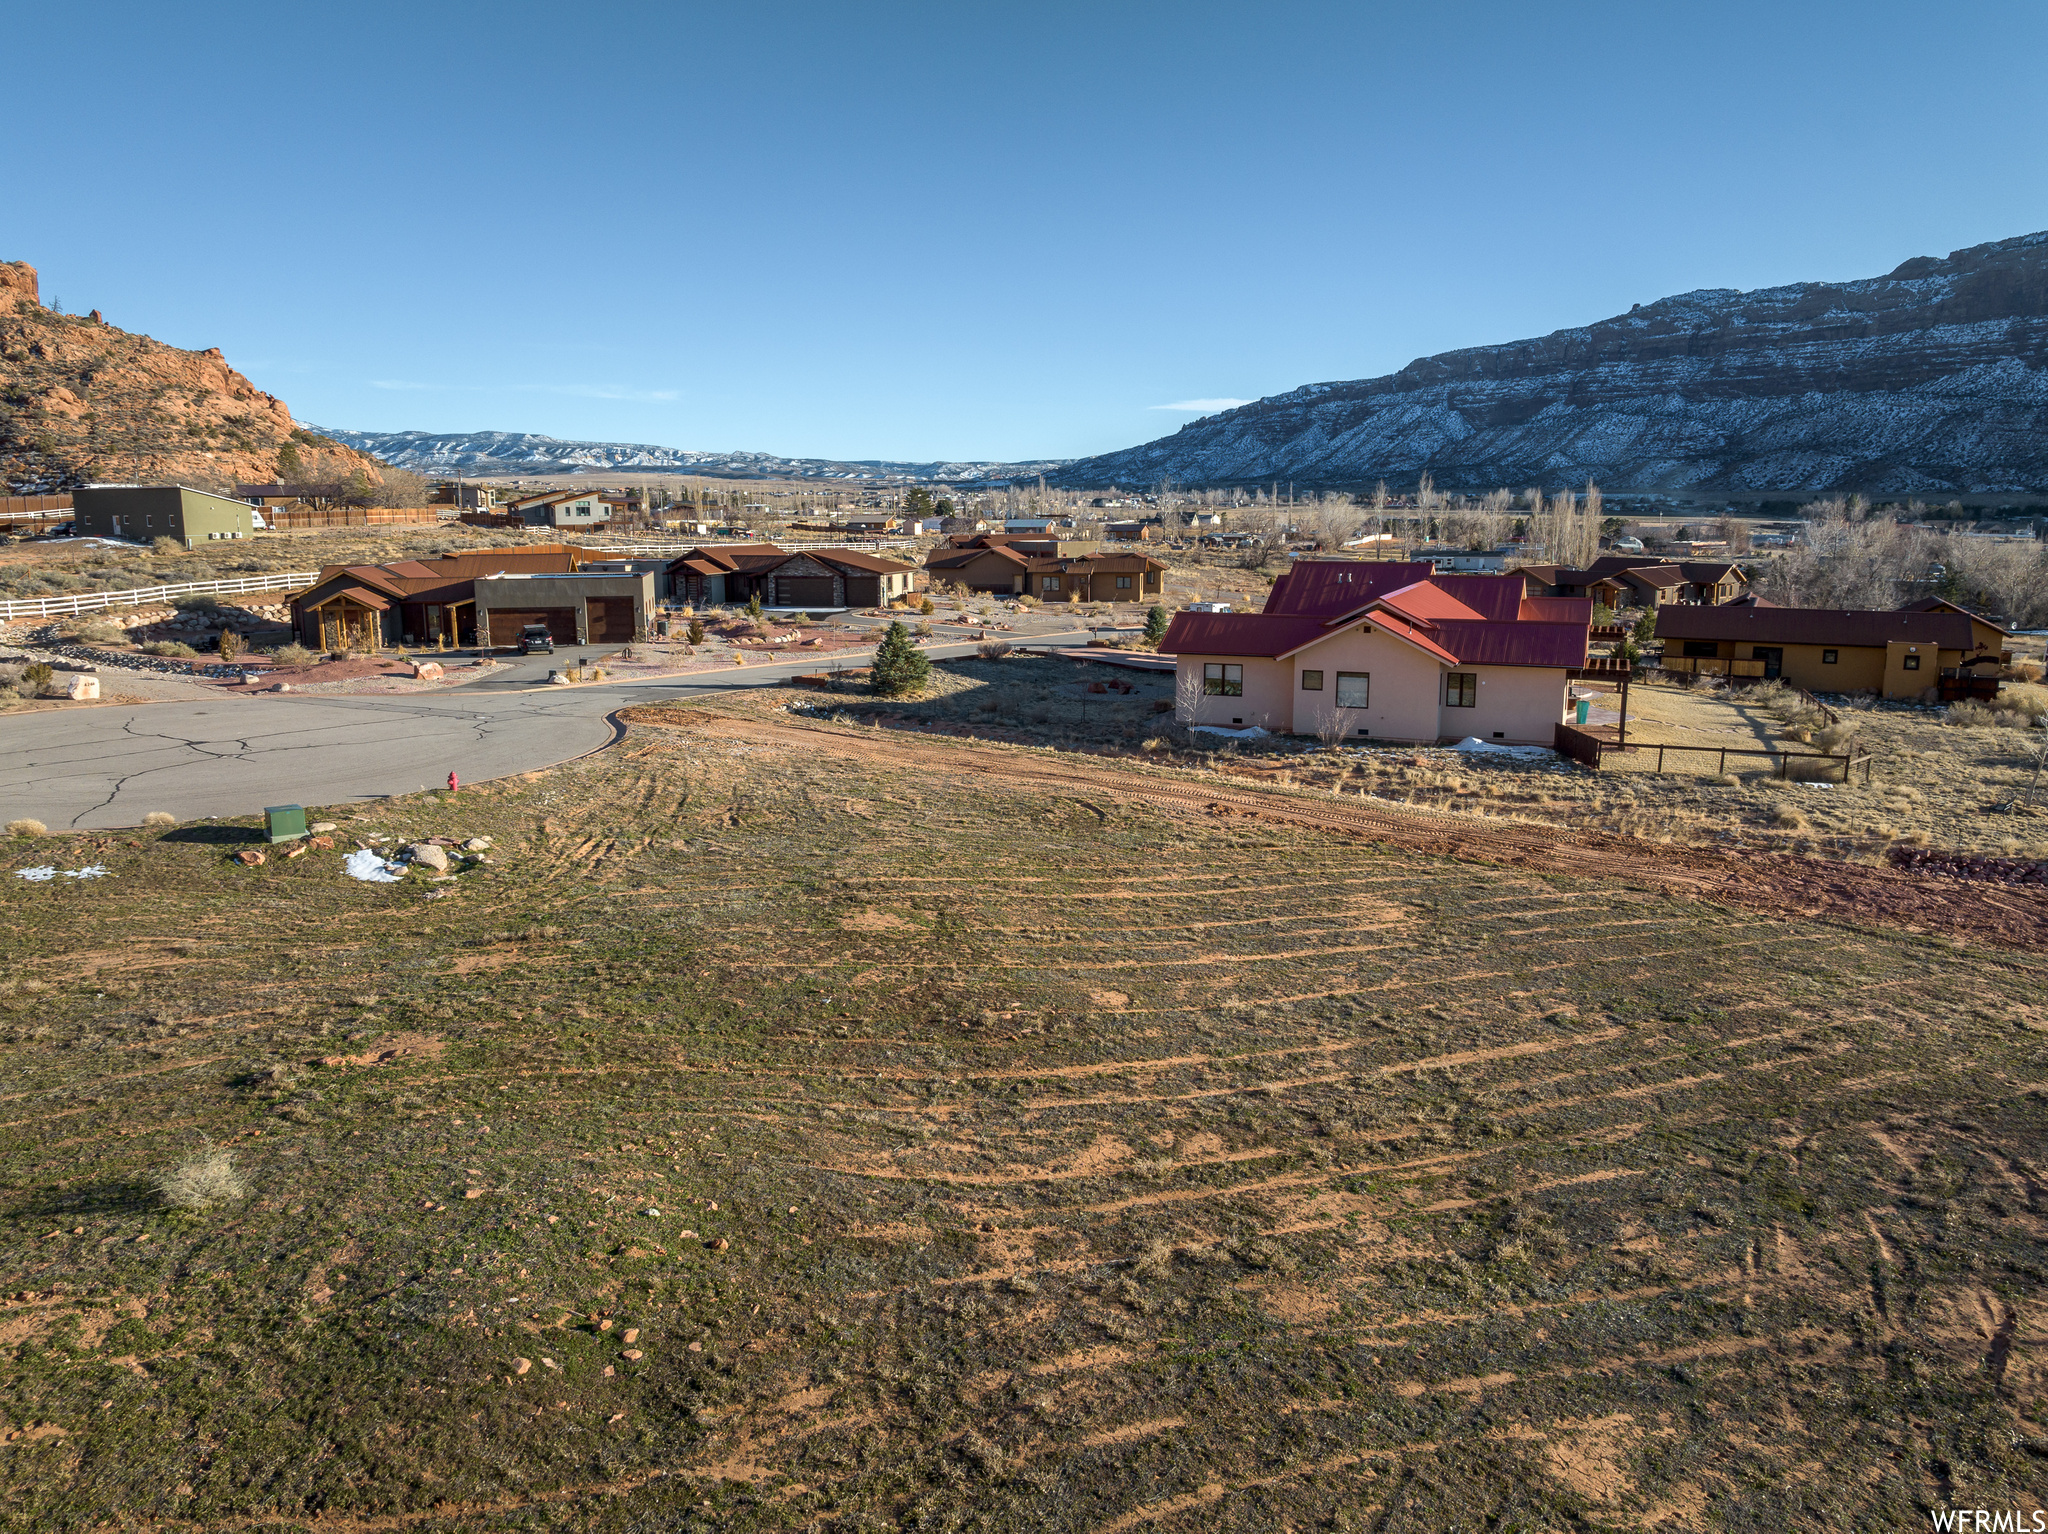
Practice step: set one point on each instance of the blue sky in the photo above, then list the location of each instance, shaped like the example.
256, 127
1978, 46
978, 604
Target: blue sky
969, 231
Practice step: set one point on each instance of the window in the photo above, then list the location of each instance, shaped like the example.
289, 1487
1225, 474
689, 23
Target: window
1051, 583
1830, 657
1353, 689
1311, 681
1123, 583
1702, 649
1912, 663
1461, 689
1221, 681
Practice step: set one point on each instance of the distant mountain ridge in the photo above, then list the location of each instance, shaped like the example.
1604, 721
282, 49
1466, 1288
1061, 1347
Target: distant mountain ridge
529, 453
1931, 379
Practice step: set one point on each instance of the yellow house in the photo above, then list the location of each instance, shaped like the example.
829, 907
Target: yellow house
1899, 655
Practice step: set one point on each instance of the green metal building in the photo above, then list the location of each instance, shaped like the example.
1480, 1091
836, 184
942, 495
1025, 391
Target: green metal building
145, 513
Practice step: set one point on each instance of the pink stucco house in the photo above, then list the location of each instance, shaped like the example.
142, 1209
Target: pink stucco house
1385, 652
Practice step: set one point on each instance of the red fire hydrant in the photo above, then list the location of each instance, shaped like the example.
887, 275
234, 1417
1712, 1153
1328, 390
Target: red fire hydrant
453, 782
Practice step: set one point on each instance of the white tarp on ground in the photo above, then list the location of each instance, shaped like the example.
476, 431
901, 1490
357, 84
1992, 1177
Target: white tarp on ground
371, 868
43, 874
1473, 744
1250, 732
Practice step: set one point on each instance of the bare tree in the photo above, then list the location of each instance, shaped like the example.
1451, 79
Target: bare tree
1187, 694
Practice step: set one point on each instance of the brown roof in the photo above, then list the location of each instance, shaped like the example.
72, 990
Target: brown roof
854, 560
1944, 605
966, 557
1815, 625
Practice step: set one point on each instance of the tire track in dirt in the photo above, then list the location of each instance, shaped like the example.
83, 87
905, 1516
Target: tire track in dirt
1801, 888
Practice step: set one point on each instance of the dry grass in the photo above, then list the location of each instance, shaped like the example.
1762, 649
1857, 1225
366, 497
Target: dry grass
1047, 1162
26, 827
202, 1181
160, 819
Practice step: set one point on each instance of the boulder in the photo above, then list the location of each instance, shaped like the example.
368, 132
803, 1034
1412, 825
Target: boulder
83, 689
477, 844
429, 855
427, 670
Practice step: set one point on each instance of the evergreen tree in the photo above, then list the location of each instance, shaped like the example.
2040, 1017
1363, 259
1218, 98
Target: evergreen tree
1155, 625
899, 666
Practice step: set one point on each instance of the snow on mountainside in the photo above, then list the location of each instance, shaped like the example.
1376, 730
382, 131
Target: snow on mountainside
1929, 380
527, 453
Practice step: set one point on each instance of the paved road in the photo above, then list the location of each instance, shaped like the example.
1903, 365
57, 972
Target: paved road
232, 755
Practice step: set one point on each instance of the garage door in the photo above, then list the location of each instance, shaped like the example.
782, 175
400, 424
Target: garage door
805, 590
506, 624
863, 590
611, 620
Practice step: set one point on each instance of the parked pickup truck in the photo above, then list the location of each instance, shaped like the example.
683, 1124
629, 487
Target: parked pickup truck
535, 639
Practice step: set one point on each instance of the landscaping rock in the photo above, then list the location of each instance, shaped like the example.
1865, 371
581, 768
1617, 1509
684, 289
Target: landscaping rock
427, 855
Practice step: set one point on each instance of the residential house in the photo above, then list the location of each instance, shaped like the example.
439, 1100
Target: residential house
1986, 635
1103, 577
832, 578
1464, 561
1131, 532
576, 606
658, 568
1901, 654
1618, 581
562, 508
986, 565
1385, 652
145, 513
723, 575
413, 601
319, 496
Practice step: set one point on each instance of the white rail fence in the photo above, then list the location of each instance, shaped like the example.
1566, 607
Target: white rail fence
670, 546
142, 596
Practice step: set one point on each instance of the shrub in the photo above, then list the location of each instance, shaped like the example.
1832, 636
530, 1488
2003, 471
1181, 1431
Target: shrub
993, 649
201, 1181
159, 818
168, 647
27, 828
754, 608
293, 654
899, 666
925, 606
34, 678
1789, 819
696, 631
94, 631
230, 644
196, 602
166, 546
1155, 625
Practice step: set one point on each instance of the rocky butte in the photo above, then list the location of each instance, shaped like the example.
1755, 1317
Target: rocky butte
1922, 382
82, 401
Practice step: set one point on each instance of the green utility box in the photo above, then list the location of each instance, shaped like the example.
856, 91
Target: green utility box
287, 822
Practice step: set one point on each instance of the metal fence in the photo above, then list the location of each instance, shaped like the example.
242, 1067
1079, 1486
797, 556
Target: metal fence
142, 596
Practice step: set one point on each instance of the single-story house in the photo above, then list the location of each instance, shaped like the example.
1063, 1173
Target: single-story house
144, 513
577, 607
1619, 581
826, 578
412, 601
1385, 652
1465, 561
659, 568
1131, 532
723, 574
1106, 577
319, 496
731, 574
562, 508
988, 566
1900, 654
1988, 636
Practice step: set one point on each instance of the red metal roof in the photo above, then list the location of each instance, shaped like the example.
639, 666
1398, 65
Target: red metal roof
1328, 588
1515, 644
1254, 634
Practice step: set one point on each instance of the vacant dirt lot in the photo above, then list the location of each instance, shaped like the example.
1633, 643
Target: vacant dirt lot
803, 1126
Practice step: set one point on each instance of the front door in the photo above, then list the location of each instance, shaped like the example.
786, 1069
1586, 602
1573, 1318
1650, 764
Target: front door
1773, 658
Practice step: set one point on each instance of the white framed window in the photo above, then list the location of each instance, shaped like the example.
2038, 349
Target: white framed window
1354, 689
1221, 680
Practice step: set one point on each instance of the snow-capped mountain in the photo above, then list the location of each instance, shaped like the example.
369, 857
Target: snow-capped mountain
1929, 380
527, 453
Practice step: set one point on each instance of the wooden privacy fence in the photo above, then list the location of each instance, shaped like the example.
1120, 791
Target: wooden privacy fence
142, 596
1591, 749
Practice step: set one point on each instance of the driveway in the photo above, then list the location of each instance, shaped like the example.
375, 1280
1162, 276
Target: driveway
96, 768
